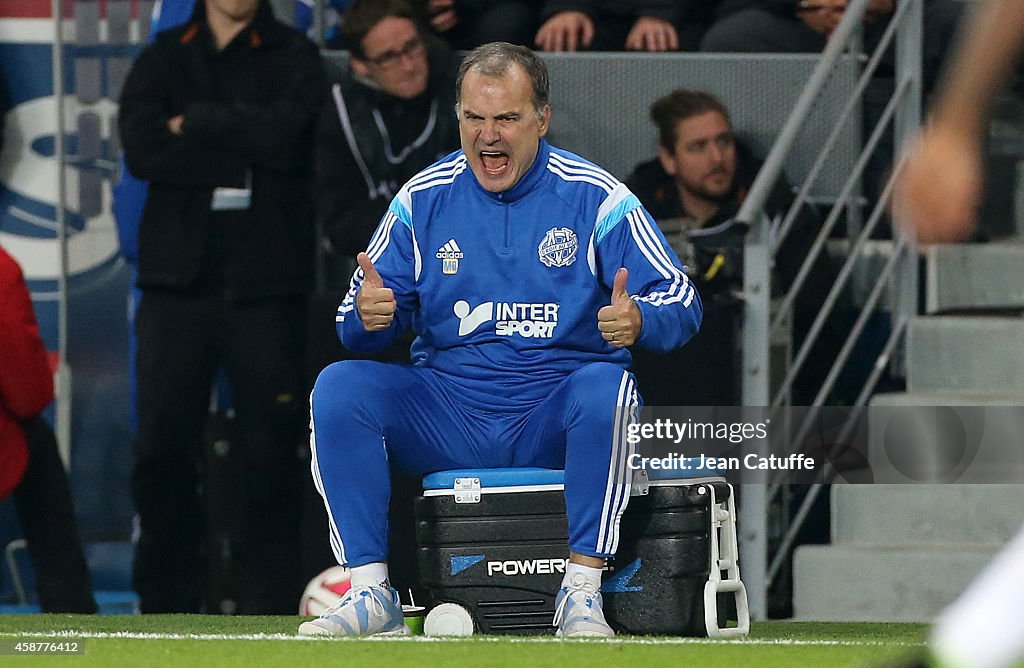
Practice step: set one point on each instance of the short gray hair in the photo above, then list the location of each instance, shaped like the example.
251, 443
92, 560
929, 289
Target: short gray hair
494, 60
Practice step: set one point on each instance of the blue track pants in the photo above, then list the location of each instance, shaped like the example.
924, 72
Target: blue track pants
365, 414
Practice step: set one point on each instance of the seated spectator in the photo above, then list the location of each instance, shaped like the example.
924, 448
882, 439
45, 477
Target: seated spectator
694, 189
388, 116
804, 26
30, 465
617, 25
466, 24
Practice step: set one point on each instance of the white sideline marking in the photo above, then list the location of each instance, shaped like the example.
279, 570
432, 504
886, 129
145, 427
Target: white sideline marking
496, 639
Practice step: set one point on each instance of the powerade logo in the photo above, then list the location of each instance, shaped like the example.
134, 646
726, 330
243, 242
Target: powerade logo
510, 567
621, 582
515, 567
460, 564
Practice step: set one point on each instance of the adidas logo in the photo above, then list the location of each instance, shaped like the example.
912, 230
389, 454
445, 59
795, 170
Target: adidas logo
449, 255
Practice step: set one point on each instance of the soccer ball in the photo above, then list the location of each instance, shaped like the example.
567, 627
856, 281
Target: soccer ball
324, 590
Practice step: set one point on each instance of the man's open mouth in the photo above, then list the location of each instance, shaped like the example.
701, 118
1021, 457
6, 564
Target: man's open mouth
495, 162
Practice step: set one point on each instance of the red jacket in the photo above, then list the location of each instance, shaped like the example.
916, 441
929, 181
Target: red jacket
26, 382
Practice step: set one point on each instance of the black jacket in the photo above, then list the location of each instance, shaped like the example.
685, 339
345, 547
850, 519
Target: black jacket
361, 166
657, 191
248, 109
710, 361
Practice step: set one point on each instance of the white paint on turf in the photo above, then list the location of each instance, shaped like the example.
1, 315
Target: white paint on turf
496, 639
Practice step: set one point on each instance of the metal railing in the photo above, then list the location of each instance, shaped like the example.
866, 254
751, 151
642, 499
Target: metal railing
764, 559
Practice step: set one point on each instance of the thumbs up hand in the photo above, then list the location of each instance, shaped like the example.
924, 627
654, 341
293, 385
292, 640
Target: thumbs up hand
375, 303
620, 321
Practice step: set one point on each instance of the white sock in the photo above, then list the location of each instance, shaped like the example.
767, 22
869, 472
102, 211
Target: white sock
374, 574
984, 627
590, 576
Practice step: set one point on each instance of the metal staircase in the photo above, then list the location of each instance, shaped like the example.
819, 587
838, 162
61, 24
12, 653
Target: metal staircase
904, 552
898, 552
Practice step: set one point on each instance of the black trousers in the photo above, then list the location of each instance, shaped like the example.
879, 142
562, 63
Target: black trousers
183, 340
758, 30
47, 516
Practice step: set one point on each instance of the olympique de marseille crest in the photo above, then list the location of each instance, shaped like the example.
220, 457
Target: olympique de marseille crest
558, 249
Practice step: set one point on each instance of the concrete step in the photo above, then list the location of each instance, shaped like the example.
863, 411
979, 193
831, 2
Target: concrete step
965, 353
974, 276
870, 263
1012, 397
963, 437
879, 584
920, 515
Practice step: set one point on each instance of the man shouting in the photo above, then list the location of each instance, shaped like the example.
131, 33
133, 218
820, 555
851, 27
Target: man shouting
526, 273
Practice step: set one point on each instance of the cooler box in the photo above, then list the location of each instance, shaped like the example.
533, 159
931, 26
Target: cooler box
494, 541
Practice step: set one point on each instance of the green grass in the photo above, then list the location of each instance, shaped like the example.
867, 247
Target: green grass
185, 640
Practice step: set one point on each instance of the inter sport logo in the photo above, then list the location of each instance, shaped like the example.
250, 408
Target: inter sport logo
469, 319
530, 321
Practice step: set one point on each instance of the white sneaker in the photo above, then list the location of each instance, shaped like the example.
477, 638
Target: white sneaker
578, 612
362, 611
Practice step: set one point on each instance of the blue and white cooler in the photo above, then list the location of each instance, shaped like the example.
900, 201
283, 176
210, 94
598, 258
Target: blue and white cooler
493, 549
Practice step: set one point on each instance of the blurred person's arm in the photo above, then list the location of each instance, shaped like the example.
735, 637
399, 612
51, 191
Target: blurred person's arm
26, 382
992, 45
939, 188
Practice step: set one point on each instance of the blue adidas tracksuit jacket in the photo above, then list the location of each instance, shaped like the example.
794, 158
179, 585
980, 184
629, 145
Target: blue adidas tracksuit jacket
503, 291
